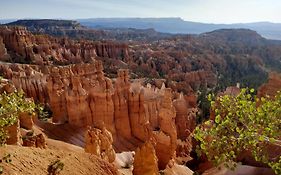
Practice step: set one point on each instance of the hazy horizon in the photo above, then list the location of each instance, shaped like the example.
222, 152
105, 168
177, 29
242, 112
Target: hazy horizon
206, 11
15, 19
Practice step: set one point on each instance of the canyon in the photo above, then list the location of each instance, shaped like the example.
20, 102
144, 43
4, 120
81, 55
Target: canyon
186, 63
109, 97
80, 95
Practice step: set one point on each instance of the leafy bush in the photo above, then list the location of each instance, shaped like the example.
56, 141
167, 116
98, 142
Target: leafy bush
242, 123
11, 105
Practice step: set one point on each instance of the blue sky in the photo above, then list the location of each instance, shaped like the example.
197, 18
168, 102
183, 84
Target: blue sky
211, 11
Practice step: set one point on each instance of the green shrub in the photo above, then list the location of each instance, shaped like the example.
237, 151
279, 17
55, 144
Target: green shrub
11, 105
242, 122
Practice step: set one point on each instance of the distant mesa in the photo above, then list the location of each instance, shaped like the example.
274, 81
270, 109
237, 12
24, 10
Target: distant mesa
163, 25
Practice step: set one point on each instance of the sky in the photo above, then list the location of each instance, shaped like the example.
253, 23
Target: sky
209, 11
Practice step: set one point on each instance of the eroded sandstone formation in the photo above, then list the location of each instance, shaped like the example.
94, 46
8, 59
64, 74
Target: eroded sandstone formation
145, 162
3, 51
37, 141
20, 45
121, 104
22, 132
99, 142
82, 96
14, 134
6, 86
185, 117
166, 136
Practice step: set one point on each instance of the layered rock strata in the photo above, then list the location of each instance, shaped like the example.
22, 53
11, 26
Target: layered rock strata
19, 45
82, 96
99, 142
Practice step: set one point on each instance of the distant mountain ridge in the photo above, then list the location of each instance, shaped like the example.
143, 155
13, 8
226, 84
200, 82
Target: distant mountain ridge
169, 25
177, 25
46, 23
73, 29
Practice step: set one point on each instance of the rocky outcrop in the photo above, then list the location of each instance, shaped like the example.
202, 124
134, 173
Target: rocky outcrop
37, 141
24, 47
271, 87
14, 135
22, 132
121, 104
185, 117
82, 96
26, 120
166, 136
78, 94
3, 51
99, 142
6, 86
184, 148
145, 162
26, 78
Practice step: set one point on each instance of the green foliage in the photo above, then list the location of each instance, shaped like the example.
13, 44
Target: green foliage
10, 107
240, 69
204, 104
42, 112
242, 122
55, 167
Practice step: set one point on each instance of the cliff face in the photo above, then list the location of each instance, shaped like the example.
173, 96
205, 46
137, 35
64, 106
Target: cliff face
24, 47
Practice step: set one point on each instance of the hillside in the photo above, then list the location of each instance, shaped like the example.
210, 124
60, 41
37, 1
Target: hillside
35, 161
